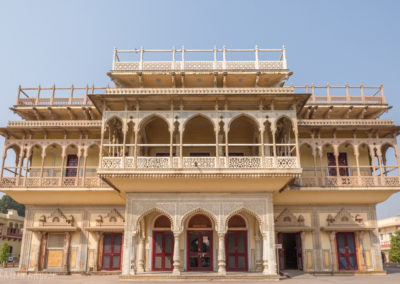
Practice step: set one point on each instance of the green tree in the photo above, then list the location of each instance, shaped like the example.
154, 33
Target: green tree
6, 202
5, 250
394, 253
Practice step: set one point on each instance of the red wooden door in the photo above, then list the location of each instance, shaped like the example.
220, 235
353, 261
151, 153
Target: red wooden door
236, 251
346, 250
111, 259
163, 247
200, 250
72, 164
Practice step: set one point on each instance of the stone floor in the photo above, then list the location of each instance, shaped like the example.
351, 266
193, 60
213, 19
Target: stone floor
8, 275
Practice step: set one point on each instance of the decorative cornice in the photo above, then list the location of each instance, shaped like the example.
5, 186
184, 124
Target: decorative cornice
198, 91
345, 122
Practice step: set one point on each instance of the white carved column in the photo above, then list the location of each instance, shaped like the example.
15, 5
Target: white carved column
171, 147
181, 130
128, 264
85, 156
303, 250
141, 252
133, 254
269, 261
177, 255
273, 130
332, 237
357, 155
314, 155
42, 164
372, 156
359, 235
63, 154
221, 254
37, 263
226, 129
396, 153
97, 236
78, 166
67, 238
258, 252
28, 157
262, 146
379, 154
3, 160
336, 154
135, 150
124, 134
217, 146
296, 136
20, 162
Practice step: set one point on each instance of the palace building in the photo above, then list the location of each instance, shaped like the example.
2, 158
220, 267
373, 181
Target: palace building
187, 166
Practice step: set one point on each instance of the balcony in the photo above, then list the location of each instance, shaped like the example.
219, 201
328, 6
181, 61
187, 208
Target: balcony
210, 163
326, 177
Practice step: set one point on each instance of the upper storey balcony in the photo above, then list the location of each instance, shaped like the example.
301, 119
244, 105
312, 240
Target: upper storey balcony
199, 68
199, 147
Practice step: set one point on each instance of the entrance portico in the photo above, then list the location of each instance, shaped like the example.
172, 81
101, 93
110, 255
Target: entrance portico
211, 232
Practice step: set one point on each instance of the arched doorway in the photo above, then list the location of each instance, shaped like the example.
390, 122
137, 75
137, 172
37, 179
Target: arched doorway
200, 243
236, 244
163, 244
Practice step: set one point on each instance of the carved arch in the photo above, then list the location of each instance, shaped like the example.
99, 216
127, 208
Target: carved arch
198, 210
242, 210
189, 118
243, 114
154, 210
145, 120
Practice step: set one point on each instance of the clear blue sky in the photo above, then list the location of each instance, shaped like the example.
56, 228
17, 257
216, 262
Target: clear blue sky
65, 42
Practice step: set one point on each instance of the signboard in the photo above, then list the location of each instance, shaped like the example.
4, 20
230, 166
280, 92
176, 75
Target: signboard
278, 246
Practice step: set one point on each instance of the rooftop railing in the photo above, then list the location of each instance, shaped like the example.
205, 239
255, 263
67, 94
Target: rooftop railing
343, 94
55, 96
78, 96
183, 64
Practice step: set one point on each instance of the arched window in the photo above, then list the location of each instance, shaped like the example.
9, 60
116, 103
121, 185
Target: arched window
162, 222
200, 221
237, 222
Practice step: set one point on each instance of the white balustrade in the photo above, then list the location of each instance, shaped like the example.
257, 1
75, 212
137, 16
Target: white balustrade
199, 162
152, 162
111, 163
245, 162
286, 162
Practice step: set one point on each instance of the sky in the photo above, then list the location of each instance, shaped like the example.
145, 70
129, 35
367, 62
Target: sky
71, 42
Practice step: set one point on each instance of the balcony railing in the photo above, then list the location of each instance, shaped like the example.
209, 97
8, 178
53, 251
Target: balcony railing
63, 182
247, 162
343, 94
348, 181
56, 96
51, 177
119, 64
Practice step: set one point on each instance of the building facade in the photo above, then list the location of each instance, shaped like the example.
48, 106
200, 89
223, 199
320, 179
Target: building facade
11, 226
387, 228
200, 166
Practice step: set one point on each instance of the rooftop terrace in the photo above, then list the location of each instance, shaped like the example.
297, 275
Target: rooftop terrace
177, 60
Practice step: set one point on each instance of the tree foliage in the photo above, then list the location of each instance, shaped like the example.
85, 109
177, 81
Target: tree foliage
6, 202
394, 253
5, 250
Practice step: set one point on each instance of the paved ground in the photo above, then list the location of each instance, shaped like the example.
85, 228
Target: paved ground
8, 275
